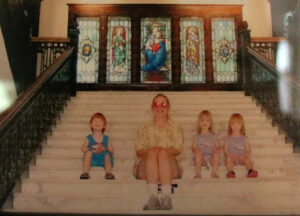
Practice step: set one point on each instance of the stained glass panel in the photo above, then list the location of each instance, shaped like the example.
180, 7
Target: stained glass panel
224, 50
156, 50
88, 50
192, 50
118, 64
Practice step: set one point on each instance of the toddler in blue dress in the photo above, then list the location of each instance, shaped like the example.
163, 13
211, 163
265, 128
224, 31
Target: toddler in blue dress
97, 148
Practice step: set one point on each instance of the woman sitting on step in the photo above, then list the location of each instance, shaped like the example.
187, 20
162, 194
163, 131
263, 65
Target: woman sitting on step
158, 145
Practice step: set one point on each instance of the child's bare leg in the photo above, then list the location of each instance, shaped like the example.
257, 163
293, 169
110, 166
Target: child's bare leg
229, 164
215, 163
87, 159
107, 164
151, 167
248, 163
198, 162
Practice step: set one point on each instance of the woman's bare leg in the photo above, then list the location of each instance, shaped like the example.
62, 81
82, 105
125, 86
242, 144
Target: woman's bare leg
152, 167
164, 164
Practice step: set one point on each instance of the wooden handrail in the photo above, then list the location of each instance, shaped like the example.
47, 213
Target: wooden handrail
28, 93
50, 39
267, 39
271, 65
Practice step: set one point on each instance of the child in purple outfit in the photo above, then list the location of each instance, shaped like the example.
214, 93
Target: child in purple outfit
206, 147
237, 149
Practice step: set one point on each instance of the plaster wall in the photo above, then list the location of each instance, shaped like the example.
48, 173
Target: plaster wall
54, 13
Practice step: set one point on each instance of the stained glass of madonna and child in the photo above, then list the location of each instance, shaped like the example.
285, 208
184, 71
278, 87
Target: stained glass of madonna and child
118, 65
156, 50
192, 50
224, 50
88, 50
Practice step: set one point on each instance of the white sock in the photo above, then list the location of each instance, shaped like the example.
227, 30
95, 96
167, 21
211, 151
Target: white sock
152, 189
166, 189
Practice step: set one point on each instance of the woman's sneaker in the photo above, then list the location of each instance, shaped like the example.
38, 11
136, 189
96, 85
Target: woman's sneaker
165, 202
152, 204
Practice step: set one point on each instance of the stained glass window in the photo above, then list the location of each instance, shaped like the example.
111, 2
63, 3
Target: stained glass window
88, 50
118, 65
224, 50
156, 50
192, 50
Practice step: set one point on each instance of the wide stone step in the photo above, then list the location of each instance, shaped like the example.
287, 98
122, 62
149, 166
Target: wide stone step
130, 143
147, 106
130, 152
132, 113
173, 102
132, 135
129, 132
121, 174
180, 119
114, 127
182, 204
169, 94
64, 162
94, 186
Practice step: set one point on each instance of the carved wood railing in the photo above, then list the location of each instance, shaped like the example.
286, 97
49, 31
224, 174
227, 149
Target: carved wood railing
48, 50
277, 93
25, 125
266, 46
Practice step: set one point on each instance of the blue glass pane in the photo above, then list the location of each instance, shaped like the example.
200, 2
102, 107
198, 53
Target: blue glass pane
224, 50
118, 64
88, 50
156, 50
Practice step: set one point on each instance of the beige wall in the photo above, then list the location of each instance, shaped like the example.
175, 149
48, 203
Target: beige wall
258, 15
54, 13
7, 85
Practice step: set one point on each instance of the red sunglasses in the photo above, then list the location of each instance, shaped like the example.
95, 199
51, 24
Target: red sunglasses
158, 105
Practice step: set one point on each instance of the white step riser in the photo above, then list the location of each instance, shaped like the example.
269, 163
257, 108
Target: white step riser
132, 133
199, 204
192, 113
124, 135
77, 142
134, 127
211, 107
140, 188
241, 172
127, 164
75, 152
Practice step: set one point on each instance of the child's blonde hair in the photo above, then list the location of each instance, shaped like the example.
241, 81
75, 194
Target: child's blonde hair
98, 116
208, 115
236, 117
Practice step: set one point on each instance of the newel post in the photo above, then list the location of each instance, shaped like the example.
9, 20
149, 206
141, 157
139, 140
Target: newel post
245, 72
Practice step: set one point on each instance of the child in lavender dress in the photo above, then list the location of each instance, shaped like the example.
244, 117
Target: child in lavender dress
206, 147
237, 149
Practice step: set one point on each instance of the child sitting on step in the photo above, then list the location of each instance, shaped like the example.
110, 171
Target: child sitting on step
206, 146
236, 148
97, 148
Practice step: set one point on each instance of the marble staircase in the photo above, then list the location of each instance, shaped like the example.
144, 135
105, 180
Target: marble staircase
53, 185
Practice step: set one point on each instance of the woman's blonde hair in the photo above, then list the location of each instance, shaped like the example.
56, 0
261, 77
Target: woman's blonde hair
236, 117
208, 115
